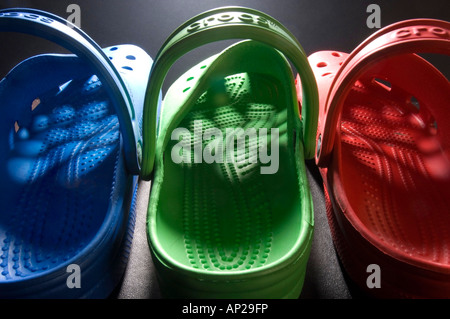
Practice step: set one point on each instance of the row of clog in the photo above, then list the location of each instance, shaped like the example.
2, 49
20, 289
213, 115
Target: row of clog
230, 213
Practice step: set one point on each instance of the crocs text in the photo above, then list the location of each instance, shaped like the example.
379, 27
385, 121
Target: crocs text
421, 31
28, 16
225, 18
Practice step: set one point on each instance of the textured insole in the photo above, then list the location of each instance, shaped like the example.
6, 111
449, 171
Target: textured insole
228, 216
57, 180
394, 185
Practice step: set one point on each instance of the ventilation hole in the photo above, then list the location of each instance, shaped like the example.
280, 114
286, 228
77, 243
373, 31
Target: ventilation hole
340, 63
434, 124
433, 128
190, 79
415, 102
35, 104
127, 68
203, 66
383, 83
110, 57
325, 74
321, 64
186, 89
16, 126
131, 57
113, 49
335, 54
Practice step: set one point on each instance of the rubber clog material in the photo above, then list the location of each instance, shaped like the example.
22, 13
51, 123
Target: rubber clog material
67, 195
225, 229
384, 151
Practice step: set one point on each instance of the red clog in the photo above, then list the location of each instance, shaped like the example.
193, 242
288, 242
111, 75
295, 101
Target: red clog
383, 149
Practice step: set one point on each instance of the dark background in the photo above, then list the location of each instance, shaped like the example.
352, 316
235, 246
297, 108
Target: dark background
318, 25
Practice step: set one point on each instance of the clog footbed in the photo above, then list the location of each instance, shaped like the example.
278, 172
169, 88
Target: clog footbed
387, 183
212, 224
66, 197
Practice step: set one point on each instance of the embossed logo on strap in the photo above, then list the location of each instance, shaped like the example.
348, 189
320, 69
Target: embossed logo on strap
420, 31
27, 16
226, 18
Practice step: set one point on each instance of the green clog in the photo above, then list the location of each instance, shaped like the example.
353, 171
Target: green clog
230, 212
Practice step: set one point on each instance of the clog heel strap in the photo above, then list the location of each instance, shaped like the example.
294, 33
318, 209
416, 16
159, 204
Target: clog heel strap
51, 27
222, 24
410, 36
